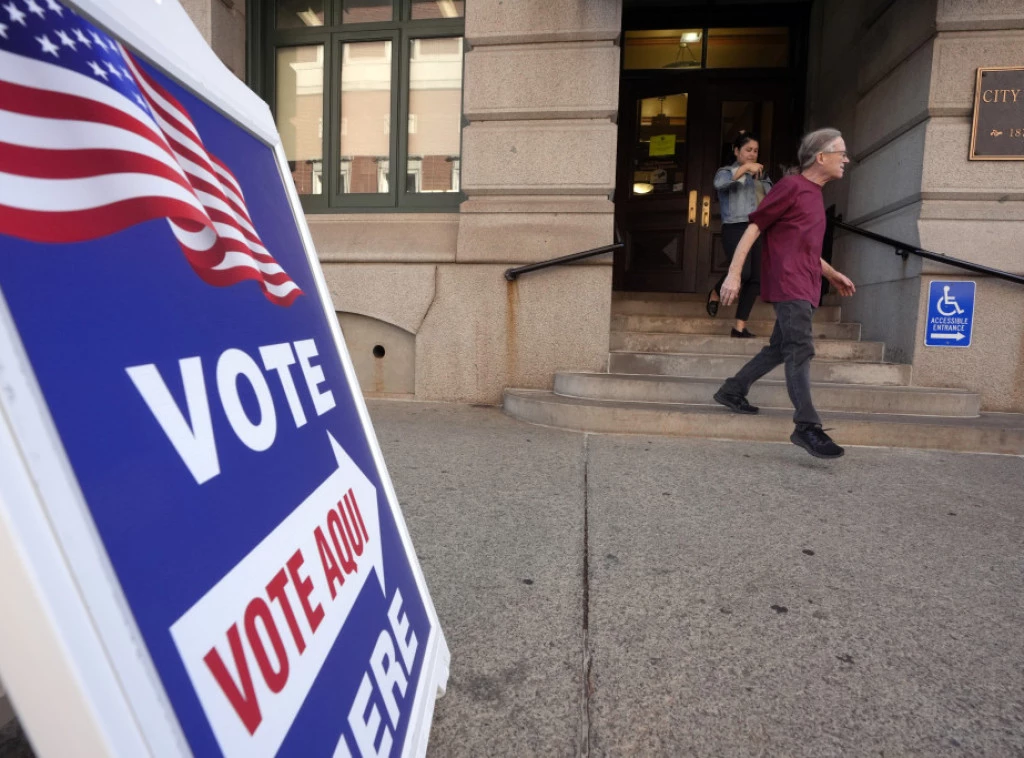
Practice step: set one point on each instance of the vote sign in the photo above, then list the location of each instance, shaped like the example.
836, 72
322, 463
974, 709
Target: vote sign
158, 290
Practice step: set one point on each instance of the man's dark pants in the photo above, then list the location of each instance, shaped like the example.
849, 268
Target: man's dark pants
792, 343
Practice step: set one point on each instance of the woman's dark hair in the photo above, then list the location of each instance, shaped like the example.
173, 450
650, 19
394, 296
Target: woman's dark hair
743, 138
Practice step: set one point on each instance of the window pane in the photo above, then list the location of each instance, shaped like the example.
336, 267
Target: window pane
438, 9
296, 14
435, 115
365, 11
748, 48
659, 157
300, 114
663, 48
365, 117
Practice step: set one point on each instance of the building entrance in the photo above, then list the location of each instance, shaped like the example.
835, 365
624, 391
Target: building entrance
684, 95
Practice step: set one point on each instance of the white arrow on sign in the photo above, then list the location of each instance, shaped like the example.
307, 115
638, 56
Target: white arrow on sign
305, 624
954, 336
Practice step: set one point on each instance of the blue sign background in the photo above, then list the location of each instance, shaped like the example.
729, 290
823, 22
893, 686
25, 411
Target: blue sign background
87, 311
950, 314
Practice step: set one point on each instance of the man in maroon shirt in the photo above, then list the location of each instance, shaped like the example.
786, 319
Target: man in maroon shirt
792, 219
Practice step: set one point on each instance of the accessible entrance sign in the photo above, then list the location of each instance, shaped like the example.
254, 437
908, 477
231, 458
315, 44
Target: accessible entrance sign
189, 478
950, 314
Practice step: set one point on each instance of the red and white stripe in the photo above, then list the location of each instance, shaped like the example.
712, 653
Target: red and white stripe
79, 161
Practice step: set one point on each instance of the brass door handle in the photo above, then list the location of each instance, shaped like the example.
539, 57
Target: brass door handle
705, 211
692, 215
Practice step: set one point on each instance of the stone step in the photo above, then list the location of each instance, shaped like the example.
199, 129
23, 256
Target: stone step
724, 366
711, 344
990, 433
854, 398
696, 308
705, 325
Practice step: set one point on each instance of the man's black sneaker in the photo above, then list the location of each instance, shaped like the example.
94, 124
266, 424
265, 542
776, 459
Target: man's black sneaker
814, 440
735, 403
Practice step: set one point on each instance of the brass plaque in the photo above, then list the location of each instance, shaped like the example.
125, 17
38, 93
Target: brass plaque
998, 131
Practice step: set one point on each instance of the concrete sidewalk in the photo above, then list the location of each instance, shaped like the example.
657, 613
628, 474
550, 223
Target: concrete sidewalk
634, 596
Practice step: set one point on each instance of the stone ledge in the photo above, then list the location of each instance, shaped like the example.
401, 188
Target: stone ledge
537, 204
530, 237
367, 237
955, 15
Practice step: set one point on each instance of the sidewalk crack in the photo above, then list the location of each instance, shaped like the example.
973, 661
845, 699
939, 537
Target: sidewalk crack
587, 682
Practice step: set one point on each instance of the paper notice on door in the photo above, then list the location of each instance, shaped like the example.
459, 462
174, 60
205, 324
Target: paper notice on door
663, 144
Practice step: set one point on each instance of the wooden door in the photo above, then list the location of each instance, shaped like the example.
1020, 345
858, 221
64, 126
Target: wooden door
658, 183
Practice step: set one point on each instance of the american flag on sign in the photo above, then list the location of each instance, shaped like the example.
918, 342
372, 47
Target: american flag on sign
91, 144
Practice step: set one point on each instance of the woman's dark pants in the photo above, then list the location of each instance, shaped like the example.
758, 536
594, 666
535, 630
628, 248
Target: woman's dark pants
750, 278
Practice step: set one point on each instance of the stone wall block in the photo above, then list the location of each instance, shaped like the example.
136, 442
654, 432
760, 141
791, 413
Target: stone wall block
227, 33
887, 312
980, 14
889, 178
542, 81
539, 157
396, 293
496, 22
484, 334
518, 238
383, 355
840, 27
897, 33
869, 262
949, 173
363, 237
894, 105
998, 244
958, 56
994, 363
201, 13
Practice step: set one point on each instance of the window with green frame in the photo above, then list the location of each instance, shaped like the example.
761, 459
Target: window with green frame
367, 95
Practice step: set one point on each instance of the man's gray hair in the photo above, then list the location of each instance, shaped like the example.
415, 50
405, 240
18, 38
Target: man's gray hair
813, 143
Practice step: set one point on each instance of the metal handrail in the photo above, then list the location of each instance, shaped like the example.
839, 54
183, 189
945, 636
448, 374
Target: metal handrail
512, 273
904, 250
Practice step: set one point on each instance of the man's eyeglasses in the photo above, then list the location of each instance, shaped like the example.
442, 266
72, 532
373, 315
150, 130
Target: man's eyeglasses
831, 152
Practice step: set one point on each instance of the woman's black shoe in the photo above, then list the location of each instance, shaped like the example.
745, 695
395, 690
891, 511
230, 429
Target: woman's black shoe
745, 334
712, 305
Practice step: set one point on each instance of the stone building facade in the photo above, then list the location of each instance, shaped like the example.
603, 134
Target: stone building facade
421, 295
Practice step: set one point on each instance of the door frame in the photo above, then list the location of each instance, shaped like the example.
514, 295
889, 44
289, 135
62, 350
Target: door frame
699, 84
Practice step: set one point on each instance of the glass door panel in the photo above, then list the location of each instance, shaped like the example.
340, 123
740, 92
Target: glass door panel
659, 154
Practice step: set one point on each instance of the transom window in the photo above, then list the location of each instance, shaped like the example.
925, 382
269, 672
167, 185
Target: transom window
754, 47
367, 95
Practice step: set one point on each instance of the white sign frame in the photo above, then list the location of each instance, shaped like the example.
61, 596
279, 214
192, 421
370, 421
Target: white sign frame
72, 659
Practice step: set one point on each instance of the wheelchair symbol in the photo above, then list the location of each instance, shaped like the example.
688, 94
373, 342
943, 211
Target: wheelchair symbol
950, 301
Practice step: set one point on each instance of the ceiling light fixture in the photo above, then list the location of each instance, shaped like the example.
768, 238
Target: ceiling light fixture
310, 18
447, 8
